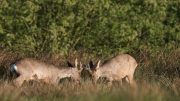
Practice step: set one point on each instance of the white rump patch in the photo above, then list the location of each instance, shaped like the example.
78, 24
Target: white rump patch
13, 67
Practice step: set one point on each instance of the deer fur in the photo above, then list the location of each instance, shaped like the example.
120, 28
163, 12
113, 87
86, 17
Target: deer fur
32, 69
116, 68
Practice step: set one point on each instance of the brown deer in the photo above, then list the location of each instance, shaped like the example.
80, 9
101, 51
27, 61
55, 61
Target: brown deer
32, 69
116, 68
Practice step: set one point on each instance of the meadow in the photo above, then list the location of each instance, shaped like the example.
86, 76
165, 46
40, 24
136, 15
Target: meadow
157, 79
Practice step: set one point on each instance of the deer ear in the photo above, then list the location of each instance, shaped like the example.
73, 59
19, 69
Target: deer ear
81, 68
88, 69
81, 65
69, 64
91, 64
76, 63
98, 64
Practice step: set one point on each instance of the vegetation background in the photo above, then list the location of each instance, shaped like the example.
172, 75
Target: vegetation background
59, 30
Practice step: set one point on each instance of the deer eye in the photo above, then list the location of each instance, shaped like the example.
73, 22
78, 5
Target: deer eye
93, 76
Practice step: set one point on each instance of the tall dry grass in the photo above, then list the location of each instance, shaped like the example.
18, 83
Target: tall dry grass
86, 91
157, 77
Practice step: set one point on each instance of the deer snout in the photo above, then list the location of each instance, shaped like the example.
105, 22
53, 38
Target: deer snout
94, 80
77, 81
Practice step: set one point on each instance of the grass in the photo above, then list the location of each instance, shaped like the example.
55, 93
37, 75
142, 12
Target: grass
157, 78
86, 91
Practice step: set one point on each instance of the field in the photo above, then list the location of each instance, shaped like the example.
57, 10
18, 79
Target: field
157, 78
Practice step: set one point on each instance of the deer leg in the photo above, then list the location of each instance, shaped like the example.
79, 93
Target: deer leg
131, 81
110, 81
127, 79
55, 81
19, 81
46, 80
120, 81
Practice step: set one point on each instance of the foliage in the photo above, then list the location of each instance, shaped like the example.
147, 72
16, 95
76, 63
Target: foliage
94, 26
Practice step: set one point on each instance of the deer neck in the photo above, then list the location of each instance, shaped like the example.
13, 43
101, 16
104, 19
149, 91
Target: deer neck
103, 72
65, 73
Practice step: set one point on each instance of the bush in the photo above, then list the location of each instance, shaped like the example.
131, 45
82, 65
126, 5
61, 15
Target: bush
96, 26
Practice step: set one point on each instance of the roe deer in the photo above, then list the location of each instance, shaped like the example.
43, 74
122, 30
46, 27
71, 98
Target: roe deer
116, 68
32, 69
